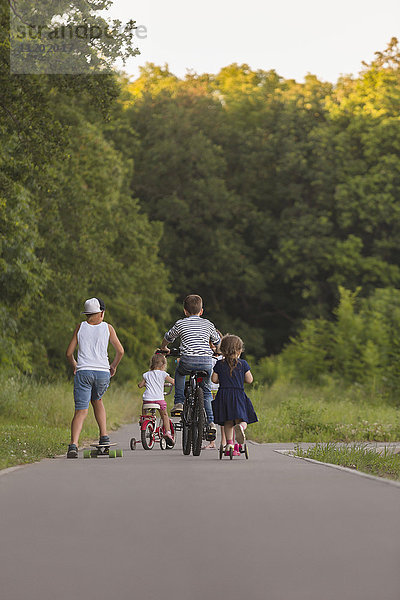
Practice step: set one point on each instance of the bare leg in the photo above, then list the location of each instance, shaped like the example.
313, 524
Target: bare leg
165, 419
77, 423
240, 428
228, 428
223, 437
100, 416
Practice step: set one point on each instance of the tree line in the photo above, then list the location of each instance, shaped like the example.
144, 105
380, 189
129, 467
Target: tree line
272, 193
264, 195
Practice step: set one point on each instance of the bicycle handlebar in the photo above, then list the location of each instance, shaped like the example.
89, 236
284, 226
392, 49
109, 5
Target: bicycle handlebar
175, 352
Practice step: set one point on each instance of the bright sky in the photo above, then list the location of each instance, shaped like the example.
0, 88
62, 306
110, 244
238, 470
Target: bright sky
295, 37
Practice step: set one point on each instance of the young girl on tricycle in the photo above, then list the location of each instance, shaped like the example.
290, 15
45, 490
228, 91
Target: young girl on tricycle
154, 381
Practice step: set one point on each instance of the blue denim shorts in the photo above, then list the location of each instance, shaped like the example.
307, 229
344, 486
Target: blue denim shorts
89, 386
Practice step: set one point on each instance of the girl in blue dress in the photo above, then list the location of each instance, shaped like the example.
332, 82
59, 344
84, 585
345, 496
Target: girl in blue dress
231, 407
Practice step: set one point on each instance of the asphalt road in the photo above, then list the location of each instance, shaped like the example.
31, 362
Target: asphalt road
162, 525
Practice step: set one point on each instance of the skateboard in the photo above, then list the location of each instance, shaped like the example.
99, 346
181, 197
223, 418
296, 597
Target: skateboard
102, 450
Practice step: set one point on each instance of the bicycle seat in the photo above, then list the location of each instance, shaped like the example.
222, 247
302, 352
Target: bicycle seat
203, 374
147, 405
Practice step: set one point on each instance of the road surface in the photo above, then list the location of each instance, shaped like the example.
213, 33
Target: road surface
162, 525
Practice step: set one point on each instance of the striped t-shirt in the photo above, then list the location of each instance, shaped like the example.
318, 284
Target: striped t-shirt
195, 334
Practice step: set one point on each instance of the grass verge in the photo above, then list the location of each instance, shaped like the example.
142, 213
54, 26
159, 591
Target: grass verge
339, 420
35, 417
385, 463
290, 412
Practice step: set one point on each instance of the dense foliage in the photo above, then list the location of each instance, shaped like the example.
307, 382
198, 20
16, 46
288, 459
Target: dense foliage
360, 344
69, 227
272, 193
264, 195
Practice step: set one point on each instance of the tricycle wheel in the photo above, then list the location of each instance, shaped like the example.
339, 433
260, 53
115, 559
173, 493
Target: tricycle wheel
147, 436
133, 444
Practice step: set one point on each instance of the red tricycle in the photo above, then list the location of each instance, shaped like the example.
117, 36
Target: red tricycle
151, 428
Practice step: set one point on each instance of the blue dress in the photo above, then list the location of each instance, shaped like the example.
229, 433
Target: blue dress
231, 402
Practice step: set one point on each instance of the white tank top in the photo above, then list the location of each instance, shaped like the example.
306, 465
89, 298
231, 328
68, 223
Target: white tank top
93, 347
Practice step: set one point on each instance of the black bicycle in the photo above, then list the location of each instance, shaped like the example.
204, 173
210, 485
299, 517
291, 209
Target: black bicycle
193, 419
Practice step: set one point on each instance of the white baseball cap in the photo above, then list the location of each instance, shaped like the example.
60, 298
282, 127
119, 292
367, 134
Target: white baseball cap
93, 305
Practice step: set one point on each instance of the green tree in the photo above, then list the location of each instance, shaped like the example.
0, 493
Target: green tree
69, 226
301, 180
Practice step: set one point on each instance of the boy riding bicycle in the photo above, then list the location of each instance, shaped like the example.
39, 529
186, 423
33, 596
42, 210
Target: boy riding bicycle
195, 335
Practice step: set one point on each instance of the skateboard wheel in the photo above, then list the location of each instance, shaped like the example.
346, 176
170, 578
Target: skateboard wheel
87, 454
119, 453
133, 444
112, 453
94, 454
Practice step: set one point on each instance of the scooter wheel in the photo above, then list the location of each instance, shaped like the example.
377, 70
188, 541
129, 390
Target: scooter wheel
221, 452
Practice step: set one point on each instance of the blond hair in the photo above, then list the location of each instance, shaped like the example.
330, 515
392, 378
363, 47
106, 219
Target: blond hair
157, 361
231, 346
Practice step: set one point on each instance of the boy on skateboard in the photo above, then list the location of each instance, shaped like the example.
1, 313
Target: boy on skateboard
92, 370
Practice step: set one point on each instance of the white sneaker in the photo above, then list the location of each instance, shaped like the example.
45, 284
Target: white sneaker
239, 434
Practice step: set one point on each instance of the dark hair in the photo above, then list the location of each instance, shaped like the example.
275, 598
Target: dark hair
230, 347
193, 304
157, 361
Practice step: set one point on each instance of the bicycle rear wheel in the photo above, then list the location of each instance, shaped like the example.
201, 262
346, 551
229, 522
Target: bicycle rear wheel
198, 422
186, 439
187, 427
